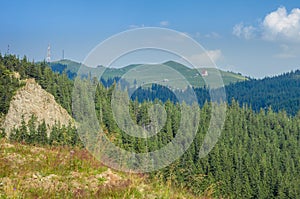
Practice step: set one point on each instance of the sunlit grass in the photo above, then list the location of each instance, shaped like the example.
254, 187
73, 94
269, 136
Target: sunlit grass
28, 171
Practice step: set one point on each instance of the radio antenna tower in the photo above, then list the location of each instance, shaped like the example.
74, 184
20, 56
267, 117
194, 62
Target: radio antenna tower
48, 59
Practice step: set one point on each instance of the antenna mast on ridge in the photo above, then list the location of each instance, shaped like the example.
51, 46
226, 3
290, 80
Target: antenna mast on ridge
8, 49
48, 59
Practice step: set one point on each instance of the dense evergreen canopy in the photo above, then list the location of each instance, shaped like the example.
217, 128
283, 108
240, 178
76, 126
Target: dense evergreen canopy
257, 155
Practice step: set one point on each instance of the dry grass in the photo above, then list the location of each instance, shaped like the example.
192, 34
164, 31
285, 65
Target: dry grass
62, 172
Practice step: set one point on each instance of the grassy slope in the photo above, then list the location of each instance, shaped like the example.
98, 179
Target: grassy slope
62, 172
192, 75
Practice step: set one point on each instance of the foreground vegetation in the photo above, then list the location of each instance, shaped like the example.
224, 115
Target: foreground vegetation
257, 155
29, 171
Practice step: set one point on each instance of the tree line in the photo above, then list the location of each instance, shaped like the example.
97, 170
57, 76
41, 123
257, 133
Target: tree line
34, 132
256, 156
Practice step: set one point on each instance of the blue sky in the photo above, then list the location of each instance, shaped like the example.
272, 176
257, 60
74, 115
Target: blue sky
256, 38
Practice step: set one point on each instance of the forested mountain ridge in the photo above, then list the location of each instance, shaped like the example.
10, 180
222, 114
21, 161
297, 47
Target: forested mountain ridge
281, 92
192, 75
59, 167
256, 155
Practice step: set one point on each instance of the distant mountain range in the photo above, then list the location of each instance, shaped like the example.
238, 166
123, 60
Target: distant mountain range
280, 92
173, 73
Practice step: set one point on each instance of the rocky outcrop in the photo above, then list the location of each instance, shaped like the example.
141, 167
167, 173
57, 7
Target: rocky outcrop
33, 100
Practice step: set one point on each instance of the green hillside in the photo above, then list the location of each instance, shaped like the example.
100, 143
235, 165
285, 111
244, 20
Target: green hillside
171, 73
257, 154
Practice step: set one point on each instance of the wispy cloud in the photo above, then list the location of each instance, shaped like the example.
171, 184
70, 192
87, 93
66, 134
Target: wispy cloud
213, 35
242, 31
164, 23
286, 52
285, 55
207, 58
161, 23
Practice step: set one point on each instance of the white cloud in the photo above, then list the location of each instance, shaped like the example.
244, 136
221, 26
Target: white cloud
278, 25
164, 23
205, 59
215, 55
246, 32
213, 35
282, 25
